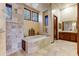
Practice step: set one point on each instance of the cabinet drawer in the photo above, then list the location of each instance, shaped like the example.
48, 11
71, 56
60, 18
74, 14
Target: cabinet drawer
73, 37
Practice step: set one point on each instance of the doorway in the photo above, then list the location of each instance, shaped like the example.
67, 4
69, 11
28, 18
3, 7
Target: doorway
55, 27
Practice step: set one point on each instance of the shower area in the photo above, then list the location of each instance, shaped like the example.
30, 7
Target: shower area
14, 29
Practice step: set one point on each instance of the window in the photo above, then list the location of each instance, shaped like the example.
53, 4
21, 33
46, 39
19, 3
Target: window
8, 11
27, 14
46, 20
46, 23
35, 16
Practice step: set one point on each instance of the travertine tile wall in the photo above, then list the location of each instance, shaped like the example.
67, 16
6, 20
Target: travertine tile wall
14, 30
11, 32
2, 30
31, 24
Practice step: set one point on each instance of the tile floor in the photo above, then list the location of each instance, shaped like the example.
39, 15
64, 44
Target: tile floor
58, 48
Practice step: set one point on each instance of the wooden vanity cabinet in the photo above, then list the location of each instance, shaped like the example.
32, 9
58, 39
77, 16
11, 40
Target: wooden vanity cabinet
74, 37
61, 35
68, 36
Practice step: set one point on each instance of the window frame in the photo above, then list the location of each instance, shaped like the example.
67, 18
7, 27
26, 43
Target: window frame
30, 14
8, 6
37, 16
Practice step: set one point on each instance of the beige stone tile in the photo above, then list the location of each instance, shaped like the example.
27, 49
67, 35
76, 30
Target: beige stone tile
58, 48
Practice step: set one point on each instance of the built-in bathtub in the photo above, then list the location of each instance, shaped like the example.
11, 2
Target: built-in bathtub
34, 43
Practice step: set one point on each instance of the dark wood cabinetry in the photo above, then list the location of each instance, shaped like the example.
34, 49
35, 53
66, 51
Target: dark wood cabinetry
61, 35
78, 28
74, 37
68, 36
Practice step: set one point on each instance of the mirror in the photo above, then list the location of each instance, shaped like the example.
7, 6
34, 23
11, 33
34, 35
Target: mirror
69, 25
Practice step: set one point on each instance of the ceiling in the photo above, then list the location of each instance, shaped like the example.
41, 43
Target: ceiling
45, 6
39, 6
61, 5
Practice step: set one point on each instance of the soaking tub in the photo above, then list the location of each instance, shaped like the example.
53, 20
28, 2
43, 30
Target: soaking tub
34, 43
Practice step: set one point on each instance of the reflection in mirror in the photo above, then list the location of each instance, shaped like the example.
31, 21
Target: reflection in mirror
70, 26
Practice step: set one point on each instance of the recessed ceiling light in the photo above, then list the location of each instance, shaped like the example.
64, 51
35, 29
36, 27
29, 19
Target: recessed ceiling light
35, 5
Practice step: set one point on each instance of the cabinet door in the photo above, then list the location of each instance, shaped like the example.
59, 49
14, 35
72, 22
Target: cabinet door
66, 36
61, 36
73, 37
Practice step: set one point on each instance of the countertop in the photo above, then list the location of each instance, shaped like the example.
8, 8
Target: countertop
69, 31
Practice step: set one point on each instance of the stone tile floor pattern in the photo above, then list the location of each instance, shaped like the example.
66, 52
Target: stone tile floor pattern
58, 48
